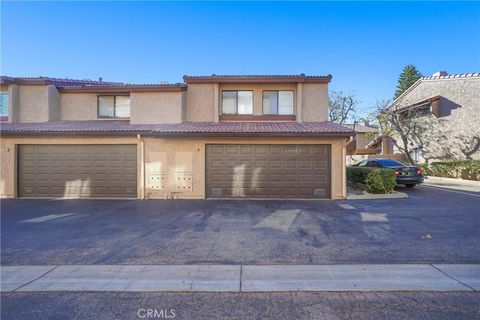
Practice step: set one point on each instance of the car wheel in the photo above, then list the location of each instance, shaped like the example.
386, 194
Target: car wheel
410, 185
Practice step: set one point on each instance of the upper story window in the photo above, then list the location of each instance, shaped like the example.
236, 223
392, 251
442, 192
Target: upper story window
278, 102
237, 102
4, 104
114, 107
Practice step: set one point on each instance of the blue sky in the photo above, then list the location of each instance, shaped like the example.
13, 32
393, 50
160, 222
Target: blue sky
363, 45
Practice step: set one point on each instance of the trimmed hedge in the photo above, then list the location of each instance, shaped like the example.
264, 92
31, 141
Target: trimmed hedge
378, 180
465, 169
425, 168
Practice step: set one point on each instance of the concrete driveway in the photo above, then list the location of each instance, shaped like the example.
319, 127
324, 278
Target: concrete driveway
432, 226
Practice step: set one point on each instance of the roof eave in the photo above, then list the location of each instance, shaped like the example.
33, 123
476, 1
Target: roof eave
260, 79
123, 89
176, 134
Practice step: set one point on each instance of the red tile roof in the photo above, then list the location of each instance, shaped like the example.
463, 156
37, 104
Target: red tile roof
124, 127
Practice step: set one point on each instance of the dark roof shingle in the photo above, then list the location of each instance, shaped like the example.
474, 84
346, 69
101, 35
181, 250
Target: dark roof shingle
257, 78
58, 81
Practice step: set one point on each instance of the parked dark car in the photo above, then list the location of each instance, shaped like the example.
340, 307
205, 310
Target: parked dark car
408, 175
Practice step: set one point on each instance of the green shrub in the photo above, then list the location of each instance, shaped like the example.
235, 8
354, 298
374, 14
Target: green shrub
426, 169
465, 169
381, 180
357, 174
377, 180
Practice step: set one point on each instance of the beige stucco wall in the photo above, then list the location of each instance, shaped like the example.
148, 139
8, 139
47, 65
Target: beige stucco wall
13, 103
315, 102
33, 103
7, 168
201, 100
78, 106
157, 107
53, 104
172, 158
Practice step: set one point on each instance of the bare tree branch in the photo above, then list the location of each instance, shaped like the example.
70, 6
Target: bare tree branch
341, 106
404, 127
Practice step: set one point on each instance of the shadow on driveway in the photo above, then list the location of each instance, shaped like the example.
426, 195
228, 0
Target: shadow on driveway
38, 232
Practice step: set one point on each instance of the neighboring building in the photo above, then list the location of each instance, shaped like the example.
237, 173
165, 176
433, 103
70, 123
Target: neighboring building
210, 137
448, 110
358, 148
381, 145
364, 133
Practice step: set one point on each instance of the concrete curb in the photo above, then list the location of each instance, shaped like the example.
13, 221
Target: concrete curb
375, 196
237, 278
454, 180
453, 184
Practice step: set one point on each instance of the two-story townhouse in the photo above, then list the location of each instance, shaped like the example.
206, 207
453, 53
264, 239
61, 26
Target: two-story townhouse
209, 137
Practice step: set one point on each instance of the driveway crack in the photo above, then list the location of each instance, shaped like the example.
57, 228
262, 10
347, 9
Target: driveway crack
241, 274
26, 284
464, 284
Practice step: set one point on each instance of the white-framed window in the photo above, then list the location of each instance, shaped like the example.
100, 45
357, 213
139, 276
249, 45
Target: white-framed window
278, 102
237, 102
113, 107
4, 104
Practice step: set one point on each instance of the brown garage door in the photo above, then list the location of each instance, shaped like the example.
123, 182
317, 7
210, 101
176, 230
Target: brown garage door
268, 171
85, 171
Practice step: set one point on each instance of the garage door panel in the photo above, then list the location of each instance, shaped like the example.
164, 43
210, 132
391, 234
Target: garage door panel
290, 164
290, 150
245, 150
77, 170
276, 171
305, 164
275, 149
244, 163
261, 192
274, 163
231, 150
261, 149
259, 177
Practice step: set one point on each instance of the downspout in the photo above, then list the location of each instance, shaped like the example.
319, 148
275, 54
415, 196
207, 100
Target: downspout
142, 166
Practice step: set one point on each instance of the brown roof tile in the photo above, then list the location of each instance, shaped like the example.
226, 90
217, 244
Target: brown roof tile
186, 128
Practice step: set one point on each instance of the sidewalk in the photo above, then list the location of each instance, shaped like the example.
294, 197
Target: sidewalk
241, 278
456, 184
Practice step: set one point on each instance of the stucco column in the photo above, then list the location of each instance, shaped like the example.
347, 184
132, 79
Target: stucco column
299, 101
13, 103
53, 103
344, 170
141, 160
216, 103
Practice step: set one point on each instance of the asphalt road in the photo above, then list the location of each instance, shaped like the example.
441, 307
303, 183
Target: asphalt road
432, 226
288, 305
